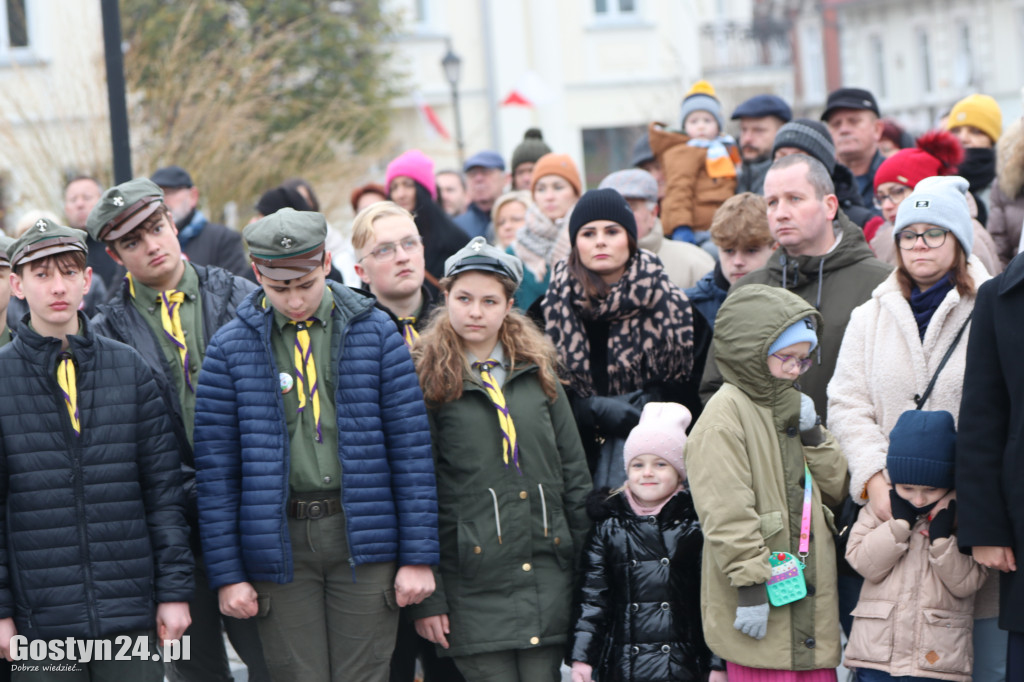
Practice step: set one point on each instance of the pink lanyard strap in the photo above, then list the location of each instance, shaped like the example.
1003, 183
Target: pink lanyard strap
805, 522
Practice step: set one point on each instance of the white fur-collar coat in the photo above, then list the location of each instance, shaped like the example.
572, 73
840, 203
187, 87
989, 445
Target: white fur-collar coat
883, 364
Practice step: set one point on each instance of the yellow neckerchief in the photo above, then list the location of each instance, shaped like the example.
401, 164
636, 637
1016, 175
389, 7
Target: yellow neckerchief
170, 319
409, 332
509, 444
69, 387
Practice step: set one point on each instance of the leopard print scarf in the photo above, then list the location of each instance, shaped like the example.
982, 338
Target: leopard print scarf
651, 333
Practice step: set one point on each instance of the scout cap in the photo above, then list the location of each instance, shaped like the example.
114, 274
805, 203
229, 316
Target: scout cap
5, 250
122, 208
479, 255
45, 238
288, 244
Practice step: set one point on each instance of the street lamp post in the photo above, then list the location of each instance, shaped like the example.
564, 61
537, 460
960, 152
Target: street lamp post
452, 65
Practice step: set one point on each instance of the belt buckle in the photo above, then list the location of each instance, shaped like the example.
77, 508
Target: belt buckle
316, 510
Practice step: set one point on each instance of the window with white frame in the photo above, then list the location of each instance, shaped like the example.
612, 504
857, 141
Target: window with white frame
924, 56
616, 9
878, 65
963, 60
13, 26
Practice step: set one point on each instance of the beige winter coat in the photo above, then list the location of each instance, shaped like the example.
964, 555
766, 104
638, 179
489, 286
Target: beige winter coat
915, 613
745, 463
883, 365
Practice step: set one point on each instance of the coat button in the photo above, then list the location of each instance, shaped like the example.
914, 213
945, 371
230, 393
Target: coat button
665, 648
791, 432
634, 650
535, 640
665, 561
558, 541
522, 494
527, 567
477, 550
809, 642
652, 519
633, 563
665, 606
327, 479
810, 590
634, 607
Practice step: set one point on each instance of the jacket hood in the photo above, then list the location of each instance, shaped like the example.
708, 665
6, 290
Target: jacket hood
751, 319
348, 303
794, 271
1010, 160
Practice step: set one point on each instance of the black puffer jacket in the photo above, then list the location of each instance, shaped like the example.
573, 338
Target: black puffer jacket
92, 528
118, 319
637, 608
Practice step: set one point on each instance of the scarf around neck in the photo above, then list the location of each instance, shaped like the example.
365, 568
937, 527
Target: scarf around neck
925, 303
720, 162
535, 241
650, 334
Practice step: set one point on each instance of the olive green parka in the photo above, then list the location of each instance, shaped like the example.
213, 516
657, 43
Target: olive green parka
745, 462
509, 540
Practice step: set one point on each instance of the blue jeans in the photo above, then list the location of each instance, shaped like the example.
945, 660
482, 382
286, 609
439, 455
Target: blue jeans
869, 675
989, 651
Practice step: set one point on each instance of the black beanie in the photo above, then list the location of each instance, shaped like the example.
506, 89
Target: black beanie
922, 447
601, 204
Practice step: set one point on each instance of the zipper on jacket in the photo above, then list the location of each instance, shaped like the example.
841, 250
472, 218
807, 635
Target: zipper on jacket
75, 451
284, 534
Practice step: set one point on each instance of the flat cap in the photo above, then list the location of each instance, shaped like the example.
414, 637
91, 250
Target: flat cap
46, 238
484, 159
633, 183
849, 98
122, 208
288, 244
479, 255
764, 105
5, 250
172, 177
641, 152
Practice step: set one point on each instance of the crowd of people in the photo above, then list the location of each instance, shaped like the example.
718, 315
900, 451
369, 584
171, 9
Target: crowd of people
742, 405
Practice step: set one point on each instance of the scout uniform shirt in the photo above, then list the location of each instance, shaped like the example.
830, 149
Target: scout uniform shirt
314, 464
149, 303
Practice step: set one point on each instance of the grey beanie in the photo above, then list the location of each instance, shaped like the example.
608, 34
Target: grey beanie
939, 201
808, 136
702, 102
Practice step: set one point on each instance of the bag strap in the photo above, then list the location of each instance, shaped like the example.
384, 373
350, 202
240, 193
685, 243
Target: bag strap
437, 285
921, 399
805, 518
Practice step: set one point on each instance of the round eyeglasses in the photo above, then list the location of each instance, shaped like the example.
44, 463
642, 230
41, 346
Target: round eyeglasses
792, 363
933, 238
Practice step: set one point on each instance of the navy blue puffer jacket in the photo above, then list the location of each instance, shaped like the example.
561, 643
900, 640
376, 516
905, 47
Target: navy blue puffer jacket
242, 447
92, 527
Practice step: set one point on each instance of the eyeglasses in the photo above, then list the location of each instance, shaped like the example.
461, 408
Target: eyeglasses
895, 195
389, 250
791, 362
933, 238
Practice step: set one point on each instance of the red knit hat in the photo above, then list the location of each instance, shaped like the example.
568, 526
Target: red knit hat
937, 153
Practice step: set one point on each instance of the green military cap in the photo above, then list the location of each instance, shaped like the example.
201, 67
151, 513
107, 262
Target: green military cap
479, 255
5, 250
46, 238
288, 244
122, 208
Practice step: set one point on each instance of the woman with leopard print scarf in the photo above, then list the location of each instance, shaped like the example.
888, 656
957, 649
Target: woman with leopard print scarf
623, 330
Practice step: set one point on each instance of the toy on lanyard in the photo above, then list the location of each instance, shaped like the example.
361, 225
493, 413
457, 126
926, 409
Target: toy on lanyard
787, 583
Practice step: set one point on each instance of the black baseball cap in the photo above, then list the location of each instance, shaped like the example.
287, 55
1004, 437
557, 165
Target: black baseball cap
850, 98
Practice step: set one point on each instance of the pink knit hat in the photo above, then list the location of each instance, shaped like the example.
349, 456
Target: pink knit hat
416, 165
661, 432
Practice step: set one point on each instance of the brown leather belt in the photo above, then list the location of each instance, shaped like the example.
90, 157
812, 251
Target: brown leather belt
314, 509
